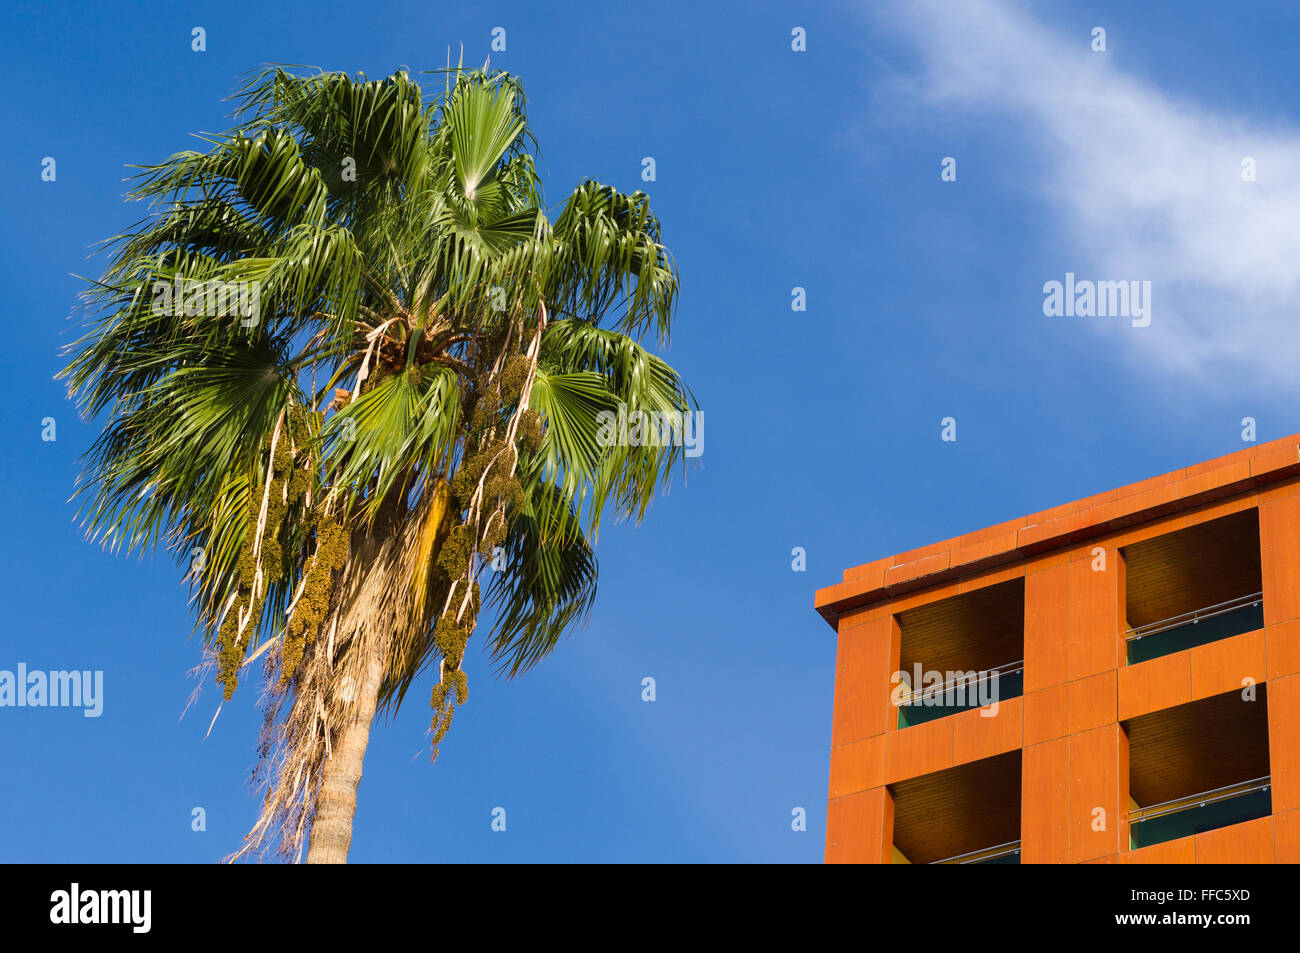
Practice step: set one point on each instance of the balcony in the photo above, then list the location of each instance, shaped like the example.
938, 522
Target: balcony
1207, 811
962, 692
959, 653
969, 814
1198, 767
1193, 586
1198, 627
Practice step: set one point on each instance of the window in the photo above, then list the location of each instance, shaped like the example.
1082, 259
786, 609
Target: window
969, 814
961, 653
1194, 586
1198, 767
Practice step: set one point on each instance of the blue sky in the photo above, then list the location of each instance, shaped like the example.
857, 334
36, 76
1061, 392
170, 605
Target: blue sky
775, 169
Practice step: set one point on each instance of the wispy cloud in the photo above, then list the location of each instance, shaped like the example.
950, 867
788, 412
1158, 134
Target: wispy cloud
1149, 184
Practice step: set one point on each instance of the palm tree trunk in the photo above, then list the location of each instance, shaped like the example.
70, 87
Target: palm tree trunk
373, 604
336, 802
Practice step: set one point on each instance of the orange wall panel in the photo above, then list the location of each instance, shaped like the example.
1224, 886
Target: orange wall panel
1282, 648
1122, 835
1095, 501
1284, 742
1047, 714
1205, 466
989, 532
920, 749
923, 597
973, 552
1282, 489
917, 568
1286, 836
1221, 476
1248, 843
1279, 545
1150, 686
976, 737
1214, 511
1097, 811
857, 766
990, 577
1141, 532
858, 828
1047, 627
1093, 702
1095, 611
1224, 665
1180, 851
866, 657
1044, 803
1279, 459
886, 855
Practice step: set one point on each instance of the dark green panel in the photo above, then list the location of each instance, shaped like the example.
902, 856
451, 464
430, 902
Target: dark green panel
1195, 820
1188, 636
1009, 686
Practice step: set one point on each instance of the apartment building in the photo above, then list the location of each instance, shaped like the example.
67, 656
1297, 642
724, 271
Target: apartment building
1114, 680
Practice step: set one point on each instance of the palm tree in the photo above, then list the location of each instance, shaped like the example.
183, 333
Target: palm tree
353, 232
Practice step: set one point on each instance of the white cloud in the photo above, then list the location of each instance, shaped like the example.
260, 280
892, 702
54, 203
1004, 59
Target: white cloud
1149, 185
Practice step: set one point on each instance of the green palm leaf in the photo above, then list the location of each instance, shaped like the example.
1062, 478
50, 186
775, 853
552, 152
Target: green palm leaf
377, 425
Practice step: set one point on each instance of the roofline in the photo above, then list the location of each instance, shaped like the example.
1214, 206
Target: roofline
1060, 527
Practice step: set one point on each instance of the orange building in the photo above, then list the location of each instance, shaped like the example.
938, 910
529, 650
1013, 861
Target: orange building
1115, 680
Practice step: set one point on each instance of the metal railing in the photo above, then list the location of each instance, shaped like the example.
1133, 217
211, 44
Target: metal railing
1196, 615
983, 854
1201, 800
961, 681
